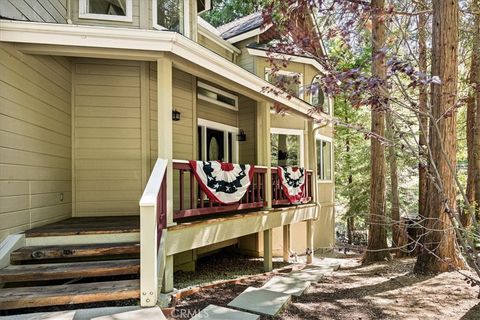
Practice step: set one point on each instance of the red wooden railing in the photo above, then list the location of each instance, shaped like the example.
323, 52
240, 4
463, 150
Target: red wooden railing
191, 201
279, 198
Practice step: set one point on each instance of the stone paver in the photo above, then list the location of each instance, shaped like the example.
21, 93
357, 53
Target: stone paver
154, 313
310, 274
213, 312
287, 285
260, 301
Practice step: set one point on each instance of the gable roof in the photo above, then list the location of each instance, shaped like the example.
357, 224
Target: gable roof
242, 25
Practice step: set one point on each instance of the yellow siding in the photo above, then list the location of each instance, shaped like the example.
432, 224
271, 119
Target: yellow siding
35, 140
183, 101
108, 164
245, 60
207, 43
247, 117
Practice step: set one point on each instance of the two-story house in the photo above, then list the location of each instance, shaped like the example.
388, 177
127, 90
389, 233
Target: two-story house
102, 104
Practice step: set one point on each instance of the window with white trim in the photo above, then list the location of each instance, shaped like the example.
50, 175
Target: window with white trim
324, 158
291, 81
286, 147
217, 141
169, 14
317, 96
217, 96
116, 10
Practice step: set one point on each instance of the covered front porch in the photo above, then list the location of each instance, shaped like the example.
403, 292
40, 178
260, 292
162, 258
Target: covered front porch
103, 135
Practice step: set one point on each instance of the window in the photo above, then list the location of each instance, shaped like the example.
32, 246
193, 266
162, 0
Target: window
169, 14
317, 96
324, 158
286, 147
116, 10
217, 141
204, 5
217, 96
292, 82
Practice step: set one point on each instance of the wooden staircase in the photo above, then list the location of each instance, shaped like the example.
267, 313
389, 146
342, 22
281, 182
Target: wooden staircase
57, 275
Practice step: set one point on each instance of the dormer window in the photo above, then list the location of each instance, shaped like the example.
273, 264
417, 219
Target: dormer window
169, 15
115, 10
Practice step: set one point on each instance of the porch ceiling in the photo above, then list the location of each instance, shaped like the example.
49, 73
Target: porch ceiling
144, 45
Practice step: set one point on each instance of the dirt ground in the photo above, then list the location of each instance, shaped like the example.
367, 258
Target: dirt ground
381, 291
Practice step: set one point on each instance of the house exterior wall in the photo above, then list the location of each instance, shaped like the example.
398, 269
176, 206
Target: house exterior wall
245, 60
107, 137
52, 11
35, 140
221, 51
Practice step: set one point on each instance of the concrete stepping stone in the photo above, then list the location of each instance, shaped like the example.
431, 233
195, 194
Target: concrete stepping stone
261, 301
213, 312
310, 274
154, 313
292, 286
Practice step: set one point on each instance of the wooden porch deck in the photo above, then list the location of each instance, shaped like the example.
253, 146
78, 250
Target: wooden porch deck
87, 225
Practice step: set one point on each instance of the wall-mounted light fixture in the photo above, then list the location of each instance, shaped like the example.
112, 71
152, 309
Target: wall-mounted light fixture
176, 115
242, 136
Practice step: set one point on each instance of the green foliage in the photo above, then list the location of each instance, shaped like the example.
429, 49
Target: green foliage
226, 11
352, 163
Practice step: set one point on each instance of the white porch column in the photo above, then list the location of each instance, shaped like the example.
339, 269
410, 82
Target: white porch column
263, 145
165, 147
264, 159
165, 128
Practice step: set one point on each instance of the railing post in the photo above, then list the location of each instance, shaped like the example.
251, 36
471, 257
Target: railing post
148, 256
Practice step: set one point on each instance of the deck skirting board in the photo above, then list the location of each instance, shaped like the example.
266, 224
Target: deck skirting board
186, 237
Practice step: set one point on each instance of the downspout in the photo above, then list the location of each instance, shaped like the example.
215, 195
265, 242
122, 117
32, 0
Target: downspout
69, 12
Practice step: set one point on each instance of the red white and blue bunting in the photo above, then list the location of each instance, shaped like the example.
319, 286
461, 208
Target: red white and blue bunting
292, 180
222, 182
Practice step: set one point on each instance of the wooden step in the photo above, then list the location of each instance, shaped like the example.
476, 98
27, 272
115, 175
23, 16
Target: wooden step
27, 297
87, 226
41, 253
72, 270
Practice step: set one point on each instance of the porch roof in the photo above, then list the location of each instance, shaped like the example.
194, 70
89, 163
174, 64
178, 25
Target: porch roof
147, 44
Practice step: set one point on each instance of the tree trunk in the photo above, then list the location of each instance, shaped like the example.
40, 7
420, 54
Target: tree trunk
422, 105
377, 249
476, 124
395, 200
350, 228
440, 252
471, 112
